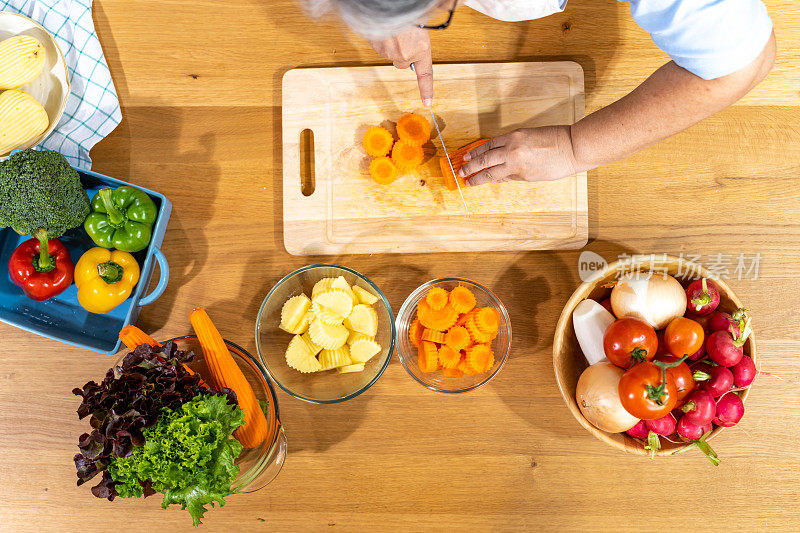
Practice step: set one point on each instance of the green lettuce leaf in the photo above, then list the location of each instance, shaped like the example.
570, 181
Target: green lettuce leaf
188, 456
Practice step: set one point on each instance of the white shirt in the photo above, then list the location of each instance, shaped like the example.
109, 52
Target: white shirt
710, 38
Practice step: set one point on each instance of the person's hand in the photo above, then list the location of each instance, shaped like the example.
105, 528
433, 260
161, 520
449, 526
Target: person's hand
527, 154
411, 46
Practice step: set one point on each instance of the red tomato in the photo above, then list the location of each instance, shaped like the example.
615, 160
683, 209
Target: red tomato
644, 394
683, 336
662, 348
628, 341
681, 374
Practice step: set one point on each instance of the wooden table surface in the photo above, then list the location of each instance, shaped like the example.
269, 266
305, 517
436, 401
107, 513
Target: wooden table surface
199, 85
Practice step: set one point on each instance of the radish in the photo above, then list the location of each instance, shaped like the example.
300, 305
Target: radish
699, 408
639, 431
719, 382
723, 349
702, 297
689, 432
664, 425
744, 372
721, 321
699, 354
730, 410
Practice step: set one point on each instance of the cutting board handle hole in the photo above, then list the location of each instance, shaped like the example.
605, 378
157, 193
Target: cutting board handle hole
307, 181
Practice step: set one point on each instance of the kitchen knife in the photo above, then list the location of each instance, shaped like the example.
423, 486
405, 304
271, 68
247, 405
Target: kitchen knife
447, 155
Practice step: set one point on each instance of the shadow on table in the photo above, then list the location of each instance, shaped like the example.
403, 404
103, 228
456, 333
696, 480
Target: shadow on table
527, 383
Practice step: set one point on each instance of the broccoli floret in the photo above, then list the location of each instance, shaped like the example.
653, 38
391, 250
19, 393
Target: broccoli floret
39, 190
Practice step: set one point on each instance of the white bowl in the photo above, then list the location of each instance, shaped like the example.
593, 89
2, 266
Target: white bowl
51, 86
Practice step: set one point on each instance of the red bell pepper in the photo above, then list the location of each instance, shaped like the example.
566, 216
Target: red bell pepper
41, 267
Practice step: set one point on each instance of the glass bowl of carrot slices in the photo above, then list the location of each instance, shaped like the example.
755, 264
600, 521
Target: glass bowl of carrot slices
453, 335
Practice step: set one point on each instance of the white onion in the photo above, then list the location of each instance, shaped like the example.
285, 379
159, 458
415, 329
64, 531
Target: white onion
591, 320
597, 395
655, 298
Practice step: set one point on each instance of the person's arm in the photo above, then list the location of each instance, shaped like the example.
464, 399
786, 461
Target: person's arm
669, 101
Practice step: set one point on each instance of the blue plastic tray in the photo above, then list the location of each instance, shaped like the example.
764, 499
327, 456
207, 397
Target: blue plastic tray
62, 318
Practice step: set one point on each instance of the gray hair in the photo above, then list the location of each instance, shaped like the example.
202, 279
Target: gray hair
375, 19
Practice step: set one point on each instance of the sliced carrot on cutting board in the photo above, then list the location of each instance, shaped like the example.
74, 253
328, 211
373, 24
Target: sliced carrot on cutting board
414, 129
383, 170
407, 156
378, 141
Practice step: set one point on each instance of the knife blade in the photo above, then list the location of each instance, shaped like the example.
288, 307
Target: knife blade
449, 162
447, 155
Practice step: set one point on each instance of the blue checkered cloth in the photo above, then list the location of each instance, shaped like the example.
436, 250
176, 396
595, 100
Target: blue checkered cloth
92, 110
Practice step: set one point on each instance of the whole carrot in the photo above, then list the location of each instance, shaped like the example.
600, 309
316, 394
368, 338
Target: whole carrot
227, 373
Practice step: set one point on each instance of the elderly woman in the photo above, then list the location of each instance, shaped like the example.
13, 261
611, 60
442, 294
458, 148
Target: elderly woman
720, 50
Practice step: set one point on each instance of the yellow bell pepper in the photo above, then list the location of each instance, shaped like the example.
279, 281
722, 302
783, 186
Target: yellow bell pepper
105, 279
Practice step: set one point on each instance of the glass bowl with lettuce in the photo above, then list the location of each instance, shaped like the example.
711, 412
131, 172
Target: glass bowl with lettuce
160, 424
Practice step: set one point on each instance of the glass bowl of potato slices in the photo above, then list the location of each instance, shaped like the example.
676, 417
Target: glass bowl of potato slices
325, 333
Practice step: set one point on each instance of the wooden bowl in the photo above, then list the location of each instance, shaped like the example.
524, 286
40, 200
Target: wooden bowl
568, 359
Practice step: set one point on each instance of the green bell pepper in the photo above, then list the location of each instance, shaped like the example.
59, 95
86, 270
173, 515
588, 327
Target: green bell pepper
121, 218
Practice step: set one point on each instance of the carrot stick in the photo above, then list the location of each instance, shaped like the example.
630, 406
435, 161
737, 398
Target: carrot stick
131, 336
227, 373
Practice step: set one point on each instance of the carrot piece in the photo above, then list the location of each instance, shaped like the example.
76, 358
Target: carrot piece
462, 319
448, 357
407, 156
487, 321
440, 320
437, 298
431, 335
227, 373
378, 141
464, 366
480, 358
428, 358
457, 160
477, 335
462, 299
452, 372
131, 337
383, 171
414, 129
415, 333
457, 338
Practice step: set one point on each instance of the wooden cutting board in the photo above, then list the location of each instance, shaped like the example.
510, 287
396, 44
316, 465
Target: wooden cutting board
348, 213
